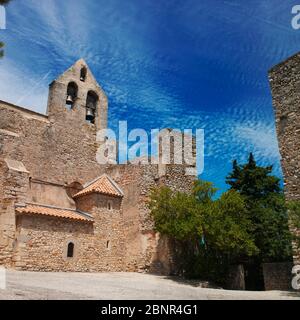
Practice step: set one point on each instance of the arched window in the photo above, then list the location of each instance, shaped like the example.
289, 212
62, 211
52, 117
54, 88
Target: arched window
109, 205
108, 245
83, 73
70, 253
91, 106
72, 93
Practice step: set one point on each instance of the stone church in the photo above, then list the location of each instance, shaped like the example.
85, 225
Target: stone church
62, 211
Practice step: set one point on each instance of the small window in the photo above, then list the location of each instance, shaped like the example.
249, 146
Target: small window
70, 253
109, 205
108, 245
83, 73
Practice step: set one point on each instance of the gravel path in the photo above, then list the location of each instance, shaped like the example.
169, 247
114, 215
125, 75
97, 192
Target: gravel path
113, 286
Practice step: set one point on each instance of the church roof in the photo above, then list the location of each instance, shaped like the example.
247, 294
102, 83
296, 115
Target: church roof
44, 210
102, 185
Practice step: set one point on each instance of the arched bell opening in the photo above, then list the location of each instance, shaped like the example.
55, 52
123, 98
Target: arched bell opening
72, 93
91, 106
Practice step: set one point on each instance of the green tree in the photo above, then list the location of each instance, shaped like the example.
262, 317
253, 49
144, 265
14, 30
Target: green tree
253, 181
209, 234
266, 209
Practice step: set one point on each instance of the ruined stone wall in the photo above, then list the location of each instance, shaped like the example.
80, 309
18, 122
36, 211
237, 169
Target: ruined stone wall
285, 86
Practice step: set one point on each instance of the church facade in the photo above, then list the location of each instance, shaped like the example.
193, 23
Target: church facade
60, 210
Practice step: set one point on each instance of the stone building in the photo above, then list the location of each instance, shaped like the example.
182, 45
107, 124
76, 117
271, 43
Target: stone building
285, 84
62, 211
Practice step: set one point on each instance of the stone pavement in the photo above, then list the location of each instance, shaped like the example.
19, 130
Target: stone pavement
113, 286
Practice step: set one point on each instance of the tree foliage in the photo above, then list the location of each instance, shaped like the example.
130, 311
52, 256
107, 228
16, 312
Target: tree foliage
253, 181
212, 234
266, 208
248, 222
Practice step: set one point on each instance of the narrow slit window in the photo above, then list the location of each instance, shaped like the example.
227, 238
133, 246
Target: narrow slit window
70, 253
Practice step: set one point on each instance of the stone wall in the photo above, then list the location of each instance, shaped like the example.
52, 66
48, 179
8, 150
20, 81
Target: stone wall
285, 84
13, 189
236, 278
278, 276
128, 228
42, 242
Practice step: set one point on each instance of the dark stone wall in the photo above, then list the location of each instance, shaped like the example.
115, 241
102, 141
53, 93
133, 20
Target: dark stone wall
278, 276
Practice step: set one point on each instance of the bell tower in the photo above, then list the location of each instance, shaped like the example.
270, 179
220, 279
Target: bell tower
76, 96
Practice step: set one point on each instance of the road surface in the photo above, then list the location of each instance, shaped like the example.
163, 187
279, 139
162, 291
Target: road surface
114, 286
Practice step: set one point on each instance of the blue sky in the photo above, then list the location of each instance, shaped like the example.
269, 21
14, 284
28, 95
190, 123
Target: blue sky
181, 64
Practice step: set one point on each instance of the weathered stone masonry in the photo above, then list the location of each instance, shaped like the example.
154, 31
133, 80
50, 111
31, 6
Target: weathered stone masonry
45, 160
285, 84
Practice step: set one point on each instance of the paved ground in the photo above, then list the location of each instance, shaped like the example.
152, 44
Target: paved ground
112, 286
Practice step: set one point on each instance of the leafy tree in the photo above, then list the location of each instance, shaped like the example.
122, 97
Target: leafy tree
209, 234
228, 228
266, 209
253, 181
175, 214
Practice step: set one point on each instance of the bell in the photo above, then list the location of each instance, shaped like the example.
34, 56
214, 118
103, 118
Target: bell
69, 100
90, 116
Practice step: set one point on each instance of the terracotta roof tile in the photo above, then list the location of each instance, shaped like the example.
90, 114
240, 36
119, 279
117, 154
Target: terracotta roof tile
102, 185
54, 212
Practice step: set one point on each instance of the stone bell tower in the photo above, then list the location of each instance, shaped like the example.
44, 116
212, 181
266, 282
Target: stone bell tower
77, 97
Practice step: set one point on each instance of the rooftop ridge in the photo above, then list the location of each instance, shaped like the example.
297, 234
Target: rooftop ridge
90, 188
79, 212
